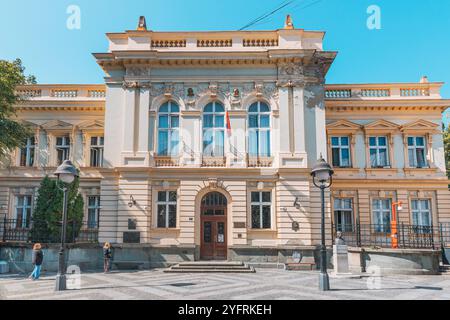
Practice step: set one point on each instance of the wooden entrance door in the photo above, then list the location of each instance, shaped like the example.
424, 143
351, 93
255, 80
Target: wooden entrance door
213, 227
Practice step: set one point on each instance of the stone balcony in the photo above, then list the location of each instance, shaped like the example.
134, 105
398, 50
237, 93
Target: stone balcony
62, 92
386, 91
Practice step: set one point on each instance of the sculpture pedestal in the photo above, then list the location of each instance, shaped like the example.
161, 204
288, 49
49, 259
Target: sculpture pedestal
340, 263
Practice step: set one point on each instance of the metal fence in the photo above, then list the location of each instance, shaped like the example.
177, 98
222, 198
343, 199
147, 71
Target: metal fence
16, 230
409, 236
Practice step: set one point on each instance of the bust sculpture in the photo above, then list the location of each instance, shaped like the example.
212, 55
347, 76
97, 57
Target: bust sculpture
339, 239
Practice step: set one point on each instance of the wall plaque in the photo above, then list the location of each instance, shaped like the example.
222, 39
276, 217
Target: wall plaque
131, 237
132, 224
239, 225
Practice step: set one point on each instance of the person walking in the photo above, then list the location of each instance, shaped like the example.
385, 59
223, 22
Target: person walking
37, 259
107, 255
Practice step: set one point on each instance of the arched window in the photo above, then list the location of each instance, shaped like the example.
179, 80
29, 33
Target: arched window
214, 130
259, 130
168, 129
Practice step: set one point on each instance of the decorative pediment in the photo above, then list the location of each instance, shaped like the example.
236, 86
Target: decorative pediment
420, 126
381, 126
343, 127
29, 124
57, 125
92, 125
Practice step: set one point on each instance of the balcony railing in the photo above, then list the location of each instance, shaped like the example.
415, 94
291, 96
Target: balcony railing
214, 161
379, 235
17, 230
259, 162
62, 92
380, 91
166, 161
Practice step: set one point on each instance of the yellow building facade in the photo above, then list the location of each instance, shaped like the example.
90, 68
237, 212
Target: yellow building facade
202, 144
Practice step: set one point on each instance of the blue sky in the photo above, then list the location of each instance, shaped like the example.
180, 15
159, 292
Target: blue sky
413, 41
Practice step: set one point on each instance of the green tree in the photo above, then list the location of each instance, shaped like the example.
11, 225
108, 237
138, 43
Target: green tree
47, 216
12, 133
447, 149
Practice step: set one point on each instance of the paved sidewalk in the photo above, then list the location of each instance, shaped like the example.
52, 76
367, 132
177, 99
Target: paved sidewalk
262, 285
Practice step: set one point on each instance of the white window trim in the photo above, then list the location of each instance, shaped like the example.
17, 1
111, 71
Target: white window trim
380, 211
351, 210
169, 130
24, 207
377, 147
258, 129
28, 148
414, 147
64, 147
100, 149
214, 129
96, 207
421, 210
341, 147
261, 204
167, 204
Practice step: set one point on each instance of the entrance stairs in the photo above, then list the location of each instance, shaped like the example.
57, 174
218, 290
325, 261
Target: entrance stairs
211, 267
444, 269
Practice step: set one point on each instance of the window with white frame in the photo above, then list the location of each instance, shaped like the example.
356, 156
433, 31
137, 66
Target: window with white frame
213, 130
27, 152
23, 211
97, 146
343, 214
417, 152
62, 149
167, 209
259, 130
93, 212
261, 209
168, 129
381, 212
378, 149
421, 215
340, 149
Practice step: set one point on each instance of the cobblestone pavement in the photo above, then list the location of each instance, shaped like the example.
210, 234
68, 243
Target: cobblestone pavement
265, 284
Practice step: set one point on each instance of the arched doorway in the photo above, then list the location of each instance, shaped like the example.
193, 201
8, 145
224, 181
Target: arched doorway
213, 217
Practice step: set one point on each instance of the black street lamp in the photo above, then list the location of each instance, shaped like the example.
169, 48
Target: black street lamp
322, 174
67, 174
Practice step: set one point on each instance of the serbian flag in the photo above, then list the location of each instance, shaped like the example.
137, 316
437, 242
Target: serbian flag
228, 124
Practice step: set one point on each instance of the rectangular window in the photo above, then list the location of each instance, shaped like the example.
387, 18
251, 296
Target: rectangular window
93, 212
343, 214
97, 145
340, 149
167, 209
261, 209
421, 214
381, 211
23, 211
62, 149
378, 152
27, 153
417, 152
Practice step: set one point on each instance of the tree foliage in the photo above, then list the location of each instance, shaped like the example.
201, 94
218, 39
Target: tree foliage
12, 133
447, 149
47, 215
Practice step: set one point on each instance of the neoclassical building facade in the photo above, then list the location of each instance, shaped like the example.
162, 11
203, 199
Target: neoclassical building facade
204, 142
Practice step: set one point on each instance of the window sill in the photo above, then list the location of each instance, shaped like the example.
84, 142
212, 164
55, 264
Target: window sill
165, 230
259, 231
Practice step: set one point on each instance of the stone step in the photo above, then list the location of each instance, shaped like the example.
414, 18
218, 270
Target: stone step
211, 263
248, 270
210, 267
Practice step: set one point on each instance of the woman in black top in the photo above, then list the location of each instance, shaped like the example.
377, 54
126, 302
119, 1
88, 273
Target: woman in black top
107, 254
37, 259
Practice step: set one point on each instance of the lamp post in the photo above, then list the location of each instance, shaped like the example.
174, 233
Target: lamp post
66, 173
322, 174
394, 230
